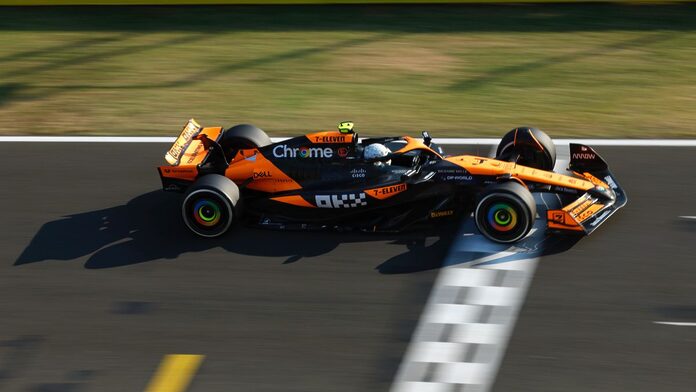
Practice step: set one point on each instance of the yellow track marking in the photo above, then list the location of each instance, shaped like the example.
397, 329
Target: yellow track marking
175, 373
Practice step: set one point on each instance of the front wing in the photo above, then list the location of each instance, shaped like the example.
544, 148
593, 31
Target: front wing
594, 207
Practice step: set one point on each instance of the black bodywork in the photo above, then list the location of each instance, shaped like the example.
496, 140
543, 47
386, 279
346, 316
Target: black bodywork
425, 188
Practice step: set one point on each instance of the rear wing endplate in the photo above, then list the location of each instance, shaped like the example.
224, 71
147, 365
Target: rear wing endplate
191, 130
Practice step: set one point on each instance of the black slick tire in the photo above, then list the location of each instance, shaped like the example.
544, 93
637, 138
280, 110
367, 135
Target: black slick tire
505, 212
529, 147
210, 205
243, 136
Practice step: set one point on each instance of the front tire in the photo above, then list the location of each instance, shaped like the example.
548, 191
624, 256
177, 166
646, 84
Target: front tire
210, 205
528, 147
505, 212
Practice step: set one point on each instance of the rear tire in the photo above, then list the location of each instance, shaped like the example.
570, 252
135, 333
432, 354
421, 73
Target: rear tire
505, 212
243, 136
529, 146
209, 207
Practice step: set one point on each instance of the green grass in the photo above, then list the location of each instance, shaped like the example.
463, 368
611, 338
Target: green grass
572, 70
199, 2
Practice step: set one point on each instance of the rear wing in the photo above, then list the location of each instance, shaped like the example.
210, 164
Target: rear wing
595, 206
188, 157
191, 130
188, 149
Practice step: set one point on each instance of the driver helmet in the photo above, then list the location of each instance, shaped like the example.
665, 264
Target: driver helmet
376, 150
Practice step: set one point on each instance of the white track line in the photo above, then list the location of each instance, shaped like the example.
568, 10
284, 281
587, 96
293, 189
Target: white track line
443, 141
688, 217
679, 324
589, 142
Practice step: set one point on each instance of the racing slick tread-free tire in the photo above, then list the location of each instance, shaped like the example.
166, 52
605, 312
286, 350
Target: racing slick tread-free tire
533, 147
210, 205
243, 136
505, 212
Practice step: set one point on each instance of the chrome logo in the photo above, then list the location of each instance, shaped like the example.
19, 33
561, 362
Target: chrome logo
283, 151
502, 217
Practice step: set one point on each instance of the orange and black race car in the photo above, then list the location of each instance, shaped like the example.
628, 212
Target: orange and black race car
333, 180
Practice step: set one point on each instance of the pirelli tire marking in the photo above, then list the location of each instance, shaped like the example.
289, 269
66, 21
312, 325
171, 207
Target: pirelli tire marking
346, 200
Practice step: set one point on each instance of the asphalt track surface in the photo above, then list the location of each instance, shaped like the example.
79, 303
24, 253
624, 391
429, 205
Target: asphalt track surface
99, 280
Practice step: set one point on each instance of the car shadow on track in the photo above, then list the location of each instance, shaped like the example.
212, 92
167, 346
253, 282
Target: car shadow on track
471, 248
475, 250
149, 227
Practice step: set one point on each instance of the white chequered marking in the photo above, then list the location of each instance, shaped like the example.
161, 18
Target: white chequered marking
480, 333
445, 294
437, 351
467, 277
462, 334
452, 314
461, 337
495, 296
420, 386
462, 373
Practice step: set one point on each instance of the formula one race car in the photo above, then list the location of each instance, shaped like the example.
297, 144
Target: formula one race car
333, 180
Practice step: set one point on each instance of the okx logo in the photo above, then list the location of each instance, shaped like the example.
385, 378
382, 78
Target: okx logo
283, 151
346, 200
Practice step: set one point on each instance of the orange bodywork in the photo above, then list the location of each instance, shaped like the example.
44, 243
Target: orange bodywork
491, 167
593, 179
295, 200
188, 173
583, 208
386, 192
196, 152
330, 137
570, 217
415, 144
191, 130
185, 160
581, 216
561, 220
254, 171
250, 165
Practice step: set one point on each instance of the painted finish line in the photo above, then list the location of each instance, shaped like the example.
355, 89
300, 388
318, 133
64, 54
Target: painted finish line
462, 335
463, 332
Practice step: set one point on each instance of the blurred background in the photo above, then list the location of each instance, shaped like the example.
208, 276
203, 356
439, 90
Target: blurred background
619, 69
101, 283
